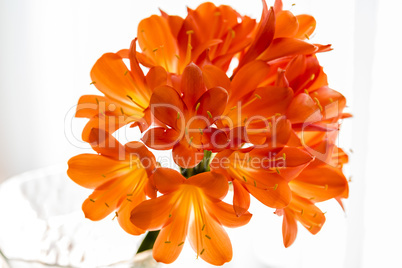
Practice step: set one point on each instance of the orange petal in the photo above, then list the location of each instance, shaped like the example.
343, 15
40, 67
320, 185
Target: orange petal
152, 214
215, 77
303, 109
170, 240
282, 47
247, 79
286, 24
319, 183
211, 104
213, 184
289, 229
105, 198
209, 240
264, 35
156, 77
308, 214
192, 84
307, 25
88, 170
167, 180
186, 156
241, 198
105, 144
269, 101
111, 76
270, 189
166, 104
160, 138
227, 217
157, 42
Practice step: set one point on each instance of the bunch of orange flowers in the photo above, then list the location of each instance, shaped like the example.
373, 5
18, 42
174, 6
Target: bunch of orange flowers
242, 105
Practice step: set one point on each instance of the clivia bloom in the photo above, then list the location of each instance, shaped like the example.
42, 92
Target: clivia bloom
119, 176
208, 34
188, 110
272, 123
192, 208
126, 93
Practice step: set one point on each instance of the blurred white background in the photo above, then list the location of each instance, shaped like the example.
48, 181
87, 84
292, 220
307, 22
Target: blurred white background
48, 47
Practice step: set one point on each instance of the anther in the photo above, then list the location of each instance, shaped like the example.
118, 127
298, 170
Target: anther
106, 204
190, 32
198, 106
203, 227
202, 251
180, 244
275, 187
209, 114
92, 200
126, 72
207, 236
92, 83
258, 96
244, 178
277, 170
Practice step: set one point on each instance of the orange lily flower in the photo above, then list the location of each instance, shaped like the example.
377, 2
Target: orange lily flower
119, 176
316, 183
126, 93
195, 203
280, 34
174, 42
261, 172
189, 110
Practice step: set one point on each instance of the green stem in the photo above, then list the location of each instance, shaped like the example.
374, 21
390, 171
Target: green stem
203, 166
149, 241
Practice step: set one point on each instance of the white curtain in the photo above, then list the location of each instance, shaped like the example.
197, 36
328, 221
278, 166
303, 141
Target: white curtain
48, 47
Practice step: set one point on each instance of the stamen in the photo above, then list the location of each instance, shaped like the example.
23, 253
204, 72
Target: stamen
258, 96
92, 83
121, 109
207, 236
203, 227
177, 56
284, 156
331, 100
306, 91
233, 33
315, 215
198, 106
318, 103
209, 114
190, 32
129, 194
103, 175
129, 200
244, 178
92, 200
180, 244
234, 107
202, 133
126, 72
168, 242
106, 204
155, 49
275, 187
312, 77
308, 38
302, 212
202, 251
255, 184
277, 170
178, 115
97, 101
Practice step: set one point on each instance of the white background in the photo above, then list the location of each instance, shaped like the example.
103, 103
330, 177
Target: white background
48, 47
